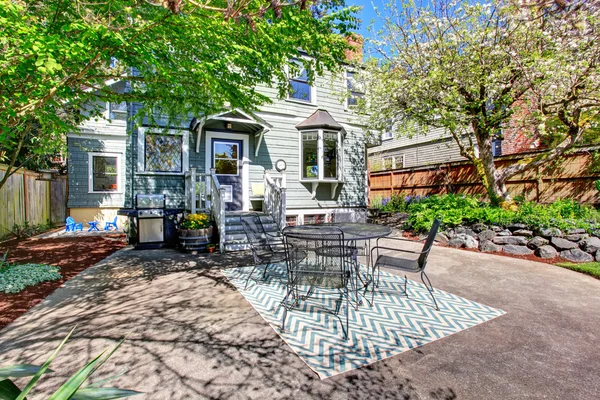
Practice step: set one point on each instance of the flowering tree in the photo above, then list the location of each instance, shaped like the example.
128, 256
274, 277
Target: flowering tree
186, 57
471, 68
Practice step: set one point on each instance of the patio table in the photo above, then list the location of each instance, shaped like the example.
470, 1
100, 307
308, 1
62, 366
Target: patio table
359, 231
354, 231
93, 226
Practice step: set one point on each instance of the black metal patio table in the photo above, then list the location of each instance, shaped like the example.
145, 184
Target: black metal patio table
356, 231
359, 231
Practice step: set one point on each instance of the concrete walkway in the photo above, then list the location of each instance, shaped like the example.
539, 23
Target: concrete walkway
194, 337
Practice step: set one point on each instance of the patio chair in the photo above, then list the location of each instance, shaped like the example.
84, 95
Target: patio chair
266, 249
72, 226
407, 264
314, 261
112, 224
356, 215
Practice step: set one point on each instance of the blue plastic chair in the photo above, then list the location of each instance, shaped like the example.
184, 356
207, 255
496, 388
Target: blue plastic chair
109, 224
72, 226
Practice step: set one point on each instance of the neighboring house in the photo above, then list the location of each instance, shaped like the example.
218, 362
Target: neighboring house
437, 147
313, 131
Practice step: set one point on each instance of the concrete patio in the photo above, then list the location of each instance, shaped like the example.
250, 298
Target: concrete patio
194, 336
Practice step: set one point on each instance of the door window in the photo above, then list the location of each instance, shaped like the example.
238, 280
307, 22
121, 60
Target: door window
225, 158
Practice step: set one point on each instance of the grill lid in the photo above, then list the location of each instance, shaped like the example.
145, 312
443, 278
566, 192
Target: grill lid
151, 200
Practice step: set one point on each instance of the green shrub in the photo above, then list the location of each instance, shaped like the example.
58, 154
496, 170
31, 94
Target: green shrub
27, 230
461, 209
15, 277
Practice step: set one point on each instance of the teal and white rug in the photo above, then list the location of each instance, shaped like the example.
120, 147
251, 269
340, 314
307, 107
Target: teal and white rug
394, 324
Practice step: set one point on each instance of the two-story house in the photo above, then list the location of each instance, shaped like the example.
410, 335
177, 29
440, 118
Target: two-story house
296, 159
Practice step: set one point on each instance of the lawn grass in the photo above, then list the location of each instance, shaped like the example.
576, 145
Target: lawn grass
590, 268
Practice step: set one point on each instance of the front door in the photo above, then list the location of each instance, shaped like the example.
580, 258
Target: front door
227, 161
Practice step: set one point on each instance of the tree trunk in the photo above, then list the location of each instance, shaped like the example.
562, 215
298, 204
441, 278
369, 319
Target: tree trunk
492, 181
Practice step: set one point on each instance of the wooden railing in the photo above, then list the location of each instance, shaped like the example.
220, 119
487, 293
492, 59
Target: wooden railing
275, 198
197, 191
217, 207
204, 194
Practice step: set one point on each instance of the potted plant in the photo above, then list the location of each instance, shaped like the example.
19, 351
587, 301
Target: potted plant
210, 248
196, 225
375, 206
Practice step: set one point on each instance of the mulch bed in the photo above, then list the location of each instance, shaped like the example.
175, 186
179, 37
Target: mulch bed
71, 254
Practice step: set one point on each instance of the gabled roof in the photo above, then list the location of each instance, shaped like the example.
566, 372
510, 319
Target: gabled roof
320, 119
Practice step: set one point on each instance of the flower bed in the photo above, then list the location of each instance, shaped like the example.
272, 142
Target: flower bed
562, 229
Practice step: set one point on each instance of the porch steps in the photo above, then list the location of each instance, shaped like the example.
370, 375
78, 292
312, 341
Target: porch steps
235, 237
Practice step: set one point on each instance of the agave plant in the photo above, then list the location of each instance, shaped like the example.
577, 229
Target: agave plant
71, 389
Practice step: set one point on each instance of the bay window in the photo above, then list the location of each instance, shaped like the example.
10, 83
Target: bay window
321, 156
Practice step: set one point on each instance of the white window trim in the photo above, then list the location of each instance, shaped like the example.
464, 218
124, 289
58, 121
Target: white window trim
387, 138
141, 150
313, 91
320, 157
397, 161
347, 106
91, 156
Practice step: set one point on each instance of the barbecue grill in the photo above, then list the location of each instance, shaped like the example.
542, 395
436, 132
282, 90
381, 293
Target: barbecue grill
151, 219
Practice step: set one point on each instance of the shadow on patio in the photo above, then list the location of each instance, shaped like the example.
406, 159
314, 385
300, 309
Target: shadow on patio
192, 335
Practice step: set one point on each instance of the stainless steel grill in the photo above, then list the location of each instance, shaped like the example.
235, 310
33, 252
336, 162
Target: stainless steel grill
151, 218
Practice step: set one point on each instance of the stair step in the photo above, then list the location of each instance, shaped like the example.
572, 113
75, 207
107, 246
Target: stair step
236, 246
237, 219
230, 228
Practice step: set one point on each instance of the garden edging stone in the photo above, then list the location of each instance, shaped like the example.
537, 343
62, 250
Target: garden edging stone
563, 244
590, 245
537, 242
546, 251
576, 255
516, 249
513, 240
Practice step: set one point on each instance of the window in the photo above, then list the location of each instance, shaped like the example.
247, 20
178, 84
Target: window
392, 162
310, 154
226, 158
354, 90
300, 89
321, 155
497, 147
162, 151
387, 135
104, 175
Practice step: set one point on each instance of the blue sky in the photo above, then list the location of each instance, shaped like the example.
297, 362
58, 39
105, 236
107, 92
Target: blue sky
367, 15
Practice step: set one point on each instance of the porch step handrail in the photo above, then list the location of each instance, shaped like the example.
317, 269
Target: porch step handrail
197, 190
217, 207
275, 198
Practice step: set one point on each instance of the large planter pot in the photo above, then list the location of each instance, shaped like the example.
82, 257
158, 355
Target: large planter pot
207, 232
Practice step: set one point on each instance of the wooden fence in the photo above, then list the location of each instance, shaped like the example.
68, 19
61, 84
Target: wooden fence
571, 177
24, 198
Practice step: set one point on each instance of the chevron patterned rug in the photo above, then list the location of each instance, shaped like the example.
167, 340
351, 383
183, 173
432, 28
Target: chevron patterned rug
393, 324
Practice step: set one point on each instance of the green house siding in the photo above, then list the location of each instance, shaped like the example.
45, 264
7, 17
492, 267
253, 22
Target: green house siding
78, 168
280, 142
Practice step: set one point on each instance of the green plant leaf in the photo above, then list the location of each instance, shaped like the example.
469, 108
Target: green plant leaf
90, 393
20, 370
68, 389
44, 367
8, 390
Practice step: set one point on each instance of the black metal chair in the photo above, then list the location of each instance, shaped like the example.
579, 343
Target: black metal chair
266, 249
315, 260
415, 264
